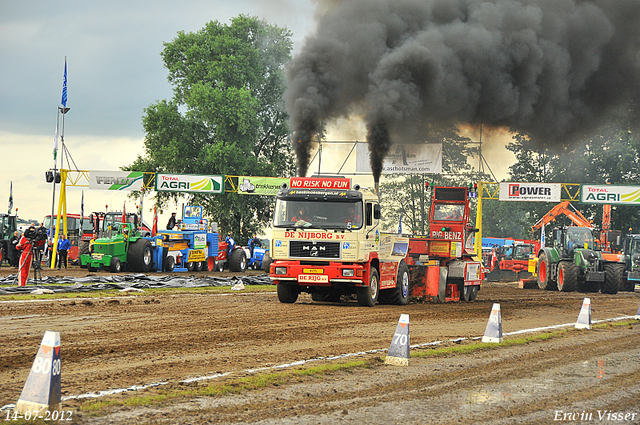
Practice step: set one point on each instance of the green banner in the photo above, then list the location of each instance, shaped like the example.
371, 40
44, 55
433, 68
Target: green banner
251, 185
189, 183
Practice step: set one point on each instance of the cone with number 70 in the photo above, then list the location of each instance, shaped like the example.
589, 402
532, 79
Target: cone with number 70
42, 391
398, 353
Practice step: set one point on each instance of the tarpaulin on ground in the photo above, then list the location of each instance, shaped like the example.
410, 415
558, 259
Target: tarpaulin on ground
138, 281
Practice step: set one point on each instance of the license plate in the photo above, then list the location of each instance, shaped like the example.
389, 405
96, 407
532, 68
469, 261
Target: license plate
96, 256
313, 278
315, 271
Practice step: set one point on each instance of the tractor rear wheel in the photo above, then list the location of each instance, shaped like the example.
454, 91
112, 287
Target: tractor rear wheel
613, 274
140, 256
237, 261
544, 273
266, 262
567, 276
287, 294
368, 295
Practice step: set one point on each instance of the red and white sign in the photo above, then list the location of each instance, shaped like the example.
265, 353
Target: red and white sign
320, 183
313, 278
532, 192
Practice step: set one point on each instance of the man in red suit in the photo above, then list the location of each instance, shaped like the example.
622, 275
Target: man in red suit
28, 242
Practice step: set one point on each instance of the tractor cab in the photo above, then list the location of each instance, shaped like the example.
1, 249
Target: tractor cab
571, 238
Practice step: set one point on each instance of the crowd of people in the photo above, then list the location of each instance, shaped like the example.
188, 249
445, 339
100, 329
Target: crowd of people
19, 244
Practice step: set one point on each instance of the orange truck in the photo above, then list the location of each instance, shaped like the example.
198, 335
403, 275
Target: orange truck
326, 241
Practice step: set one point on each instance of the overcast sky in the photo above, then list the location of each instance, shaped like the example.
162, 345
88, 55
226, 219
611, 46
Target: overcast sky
114, 72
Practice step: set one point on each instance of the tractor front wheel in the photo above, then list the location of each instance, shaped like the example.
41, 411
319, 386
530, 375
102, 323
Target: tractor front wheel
116, 265
613, 274
237, 261
567, 276
544, 273
140, 256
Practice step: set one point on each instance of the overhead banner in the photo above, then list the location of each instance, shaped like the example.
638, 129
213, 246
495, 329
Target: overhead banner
251, 185
609, 194
404, 159
115, 180
530, 192
190, 183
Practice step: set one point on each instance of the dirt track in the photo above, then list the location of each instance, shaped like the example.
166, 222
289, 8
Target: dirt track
136, 340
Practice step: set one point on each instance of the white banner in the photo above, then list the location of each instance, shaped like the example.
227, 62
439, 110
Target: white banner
531, 192
609, 194
404, 159
115, 180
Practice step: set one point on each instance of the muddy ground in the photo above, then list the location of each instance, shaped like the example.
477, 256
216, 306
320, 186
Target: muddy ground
124, 340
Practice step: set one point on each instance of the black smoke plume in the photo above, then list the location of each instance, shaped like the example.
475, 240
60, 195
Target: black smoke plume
548, 68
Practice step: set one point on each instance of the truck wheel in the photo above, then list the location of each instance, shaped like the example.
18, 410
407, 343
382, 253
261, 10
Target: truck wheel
544, 273
84, 249
140, 256
116, 265
567, 276
287, 294
237, 261
613, 274
400, 294
169, 263
368, 295
474, 292
266, 262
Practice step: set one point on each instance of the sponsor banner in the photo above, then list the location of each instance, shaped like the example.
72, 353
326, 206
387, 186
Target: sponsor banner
115, 180
531, 192
609, 194
196, 255
423, 158
250, 185
189, 183
320, 183
200, 240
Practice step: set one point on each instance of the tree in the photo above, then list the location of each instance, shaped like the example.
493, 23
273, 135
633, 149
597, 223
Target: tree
406, 195
226, 115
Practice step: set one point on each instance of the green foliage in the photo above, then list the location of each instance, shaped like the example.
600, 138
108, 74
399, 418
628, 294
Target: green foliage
226, 115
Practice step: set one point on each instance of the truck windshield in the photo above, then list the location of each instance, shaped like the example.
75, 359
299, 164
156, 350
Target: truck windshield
447, 212
318, 214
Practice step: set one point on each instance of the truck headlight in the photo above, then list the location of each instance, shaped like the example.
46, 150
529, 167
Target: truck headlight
348, 272
281, 270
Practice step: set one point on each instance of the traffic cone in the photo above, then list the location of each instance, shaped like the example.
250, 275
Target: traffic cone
584, 318
493, 331
398, 353
42, 390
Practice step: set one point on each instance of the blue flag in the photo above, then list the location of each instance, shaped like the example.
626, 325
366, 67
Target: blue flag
400, 225
64, 85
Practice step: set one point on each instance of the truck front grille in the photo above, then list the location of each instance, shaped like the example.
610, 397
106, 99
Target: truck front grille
311, 249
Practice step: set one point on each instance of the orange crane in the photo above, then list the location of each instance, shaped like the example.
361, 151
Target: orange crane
563, 208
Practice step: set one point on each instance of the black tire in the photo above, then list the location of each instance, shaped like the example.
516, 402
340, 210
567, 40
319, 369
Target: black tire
92, 269
266, 262
190, 266
169, 263
197, 266
368, 295
466, 293
219, 266
628, 285
116, 265
544, 273
613, 274
83, 249
140, 256
237, 261
287, 294
400, 294
474, 292
567, 276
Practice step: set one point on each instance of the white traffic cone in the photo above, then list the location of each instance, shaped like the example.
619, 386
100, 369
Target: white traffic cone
42, 390
493, 332
398, 353
584, 318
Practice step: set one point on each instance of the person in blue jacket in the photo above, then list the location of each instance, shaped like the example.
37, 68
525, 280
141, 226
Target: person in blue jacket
63, 249
230, 243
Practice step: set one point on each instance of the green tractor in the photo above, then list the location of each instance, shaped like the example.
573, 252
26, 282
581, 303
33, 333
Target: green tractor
123, 248
574, 262
631, 258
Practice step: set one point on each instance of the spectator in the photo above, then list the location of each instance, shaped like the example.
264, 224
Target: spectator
172, 222
13, 250
254, 242
63, 248
230, 243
